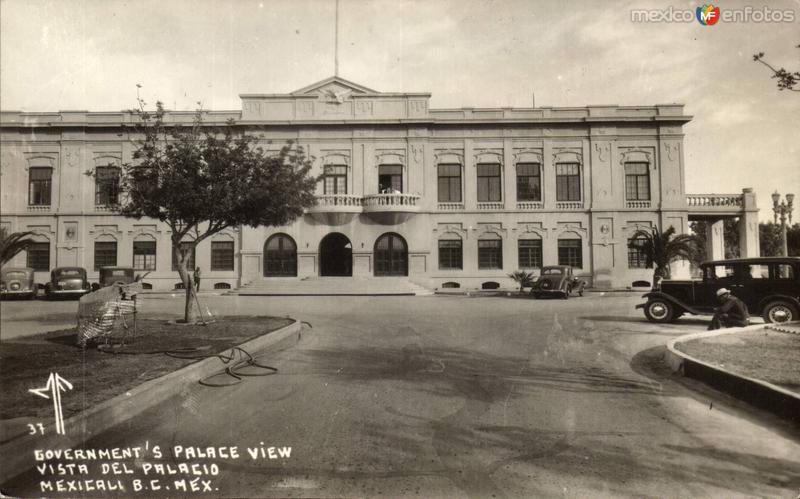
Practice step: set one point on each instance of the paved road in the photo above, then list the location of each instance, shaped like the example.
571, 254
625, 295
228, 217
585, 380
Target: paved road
474, 397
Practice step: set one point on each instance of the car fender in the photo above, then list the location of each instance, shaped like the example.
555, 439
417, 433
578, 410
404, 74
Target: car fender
761, 304
681, 306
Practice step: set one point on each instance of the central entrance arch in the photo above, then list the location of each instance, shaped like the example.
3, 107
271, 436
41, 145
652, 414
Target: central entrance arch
335, 255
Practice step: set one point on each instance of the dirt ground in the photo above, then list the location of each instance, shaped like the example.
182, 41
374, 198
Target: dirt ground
27, 362
764, 354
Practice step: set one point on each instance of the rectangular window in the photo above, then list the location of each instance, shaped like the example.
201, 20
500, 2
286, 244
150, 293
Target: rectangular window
489, 183
449, 183
637, 182
390, 179
39, 257
529, 182
144, 255
335, 179
450, 255
40, 181
106, 186
221, 255
190, 264
568, 182
490, 254
105, 254
637, 258
782, 271
530, 253
570, 252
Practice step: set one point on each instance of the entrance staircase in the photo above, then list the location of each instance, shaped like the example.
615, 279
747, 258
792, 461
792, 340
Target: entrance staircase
327, 286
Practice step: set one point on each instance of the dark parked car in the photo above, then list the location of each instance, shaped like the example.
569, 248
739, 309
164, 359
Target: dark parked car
67, 281
769, 286
113, 275
557, 280
17, 281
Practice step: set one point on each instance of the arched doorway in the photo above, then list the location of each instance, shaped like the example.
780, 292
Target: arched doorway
335, 255
280, 256
391, 255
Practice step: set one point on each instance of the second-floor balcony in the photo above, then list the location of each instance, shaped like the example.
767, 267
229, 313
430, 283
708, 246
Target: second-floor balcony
398, 202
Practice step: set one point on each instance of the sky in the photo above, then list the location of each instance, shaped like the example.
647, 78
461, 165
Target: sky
91, 54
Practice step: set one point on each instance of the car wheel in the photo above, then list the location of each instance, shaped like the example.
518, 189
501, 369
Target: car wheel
779, 311
659, 311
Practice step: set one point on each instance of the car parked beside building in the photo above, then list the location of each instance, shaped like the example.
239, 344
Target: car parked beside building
557, 280
769, 286
67, 281
17, 282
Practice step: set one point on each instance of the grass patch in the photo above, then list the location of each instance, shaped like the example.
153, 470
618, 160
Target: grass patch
770, 356
97, 376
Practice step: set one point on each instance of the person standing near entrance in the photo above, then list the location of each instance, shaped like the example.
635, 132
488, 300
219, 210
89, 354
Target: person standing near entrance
196, 278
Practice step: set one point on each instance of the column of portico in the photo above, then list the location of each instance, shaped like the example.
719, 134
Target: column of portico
715, 239
748, 226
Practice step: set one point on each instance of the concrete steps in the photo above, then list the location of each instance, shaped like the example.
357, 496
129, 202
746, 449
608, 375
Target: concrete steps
324, 286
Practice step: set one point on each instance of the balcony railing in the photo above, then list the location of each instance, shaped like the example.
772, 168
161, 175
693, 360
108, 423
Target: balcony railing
391, 202
490, 206
348, 203
569, 205
713, 200
637, 204
451, 206
39, 207
530, 205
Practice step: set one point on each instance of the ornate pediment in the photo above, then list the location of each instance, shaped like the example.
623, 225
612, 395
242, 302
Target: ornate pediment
334, 89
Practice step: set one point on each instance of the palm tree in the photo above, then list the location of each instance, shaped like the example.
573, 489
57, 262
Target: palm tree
660, 249
11, 244
524, 279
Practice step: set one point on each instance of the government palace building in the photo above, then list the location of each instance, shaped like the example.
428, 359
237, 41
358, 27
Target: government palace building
437, 198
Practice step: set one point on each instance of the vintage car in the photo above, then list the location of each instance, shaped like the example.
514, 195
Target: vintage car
769, 286
113, 275
17, 282
67, 281
557, 280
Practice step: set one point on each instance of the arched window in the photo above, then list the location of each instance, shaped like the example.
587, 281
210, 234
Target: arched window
391, 255
570, 252
280, 256
637, 259
106, 185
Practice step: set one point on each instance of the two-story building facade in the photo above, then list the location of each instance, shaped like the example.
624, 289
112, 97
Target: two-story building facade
442, 197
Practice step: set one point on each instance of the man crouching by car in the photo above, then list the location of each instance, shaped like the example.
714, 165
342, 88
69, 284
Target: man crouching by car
731, 313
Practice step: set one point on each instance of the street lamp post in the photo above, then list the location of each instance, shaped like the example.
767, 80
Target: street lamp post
782, 209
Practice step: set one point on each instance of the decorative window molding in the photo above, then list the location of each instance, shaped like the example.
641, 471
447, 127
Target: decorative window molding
484, 230
455, 230
39, 160
528, 156
336, 158
111, 231
528, 231
449, 156
390, 158
150, 231
487, 156
107, 159
636, 156
568, 156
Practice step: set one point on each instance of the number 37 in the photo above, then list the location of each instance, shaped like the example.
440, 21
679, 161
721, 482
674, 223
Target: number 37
33, 429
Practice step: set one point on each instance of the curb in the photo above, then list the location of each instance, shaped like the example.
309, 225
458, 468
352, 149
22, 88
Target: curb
18, 452
779, 401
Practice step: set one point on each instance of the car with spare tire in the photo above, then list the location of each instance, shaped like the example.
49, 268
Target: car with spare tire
769, 286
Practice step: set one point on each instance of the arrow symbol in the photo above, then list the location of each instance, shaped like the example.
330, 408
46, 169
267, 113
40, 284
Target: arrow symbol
55, 385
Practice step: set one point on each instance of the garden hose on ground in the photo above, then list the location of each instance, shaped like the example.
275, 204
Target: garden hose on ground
238, 359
